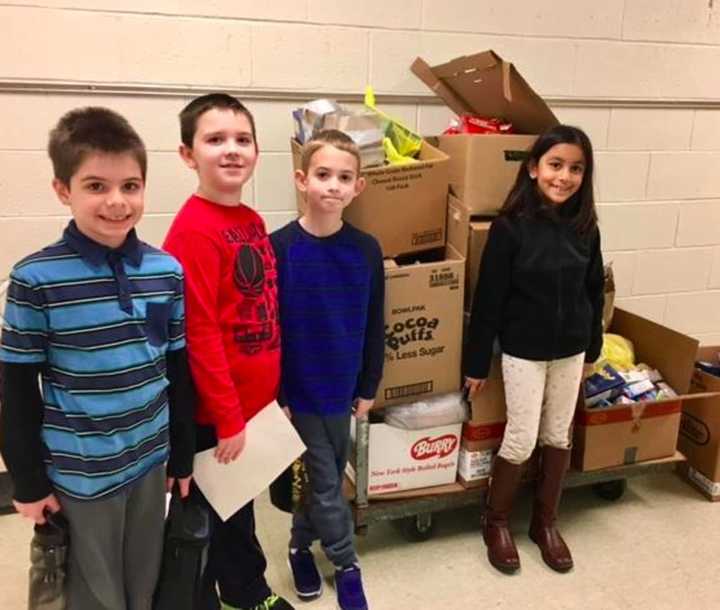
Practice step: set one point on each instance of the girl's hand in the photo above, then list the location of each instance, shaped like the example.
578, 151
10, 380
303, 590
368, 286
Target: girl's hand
36, 510
363, 406
229, 449
474, 385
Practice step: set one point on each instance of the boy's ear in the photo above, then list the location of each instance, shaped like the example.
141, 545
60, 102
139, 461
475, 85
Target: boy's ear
360, 185
62, 191
186, 154
300, 180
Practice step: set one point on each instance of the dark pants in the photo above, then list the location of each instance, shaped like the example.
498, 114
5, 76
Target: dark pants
325, 515
236, 562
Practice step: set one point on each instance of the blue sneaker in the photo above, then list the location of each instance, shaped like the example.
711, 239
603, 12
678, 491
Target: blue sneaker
348, 585
306, 577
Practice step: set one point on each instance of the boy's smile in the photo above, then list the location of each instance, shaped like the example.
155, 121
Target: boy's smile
106, 196
224, 154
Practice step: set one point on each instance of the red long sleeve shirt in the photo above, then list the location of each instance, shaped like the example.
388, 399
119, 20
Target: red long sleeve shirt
231, 310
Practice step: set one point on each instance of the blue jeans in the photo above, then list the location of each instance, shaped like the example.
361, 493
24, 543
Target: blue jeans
325, 514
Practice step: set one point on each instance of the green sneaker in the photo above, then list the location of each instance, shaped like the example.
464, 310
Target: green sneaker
272, 602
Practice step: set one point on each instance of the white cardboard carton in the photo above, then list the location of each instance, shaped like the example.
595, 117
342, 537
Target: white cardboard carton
400, 460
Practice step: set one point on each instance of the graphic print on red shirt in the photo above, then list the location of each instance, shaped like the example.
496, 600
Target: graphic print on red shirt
232, 312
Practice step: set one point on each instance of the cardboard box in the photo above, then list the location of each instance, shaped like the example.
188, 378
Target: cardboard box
469, 237
423, 329
402, 206
707, 487
400, 460
625, 434
474, 467
483, 167
488, 406
699, 437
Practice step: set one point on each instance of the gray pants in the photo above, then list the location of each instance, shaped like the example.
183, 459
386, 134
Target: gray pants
116, 546
326, 514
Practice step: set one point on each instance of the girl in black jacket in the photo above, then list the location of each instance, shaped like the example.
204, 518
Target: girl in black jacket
540, 293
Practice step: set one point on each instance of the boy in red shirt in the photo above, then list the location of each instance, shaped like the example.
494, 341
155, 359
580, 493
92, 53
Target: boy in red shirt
232, 326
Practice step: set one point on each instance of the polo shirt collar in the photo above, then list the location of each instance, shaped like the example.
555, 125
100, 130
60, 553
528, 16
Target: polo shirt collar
96, 253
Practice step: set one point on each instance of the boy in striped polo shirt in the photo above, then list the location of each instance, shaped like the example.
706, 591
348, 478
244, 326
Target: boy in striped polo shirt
98, 317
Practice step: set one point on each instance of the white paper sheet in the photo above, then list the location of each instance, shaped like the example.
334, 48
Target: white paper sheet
271, 445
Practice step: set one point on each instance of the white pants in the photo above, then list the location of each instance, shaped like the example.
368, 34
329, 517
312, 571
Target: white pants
540, 398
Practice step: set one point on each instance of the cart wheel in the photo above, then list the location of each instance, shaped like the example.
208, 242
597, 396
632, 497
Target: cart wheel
418, 528
610, 490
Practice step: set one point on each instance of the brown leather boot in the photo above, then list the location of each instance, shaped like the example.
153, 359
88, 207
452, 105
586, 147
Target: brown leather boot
543, 532
501, 549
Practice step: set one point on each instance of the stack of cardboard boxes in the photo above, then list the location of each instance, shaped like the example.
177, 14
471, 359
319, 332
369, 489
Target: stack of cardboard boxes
432, 220
482, 170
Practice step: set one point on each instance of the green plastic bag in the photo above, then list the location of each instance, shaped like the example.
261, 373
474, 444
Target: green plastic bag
401, 144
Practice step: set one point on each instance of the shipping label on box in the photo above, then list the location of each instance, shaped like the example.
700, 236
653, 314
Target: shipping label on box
402, 206
423, 329
400, 460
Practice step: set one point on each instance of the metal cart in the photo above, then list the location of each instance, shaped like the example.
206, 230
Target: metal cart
417, 513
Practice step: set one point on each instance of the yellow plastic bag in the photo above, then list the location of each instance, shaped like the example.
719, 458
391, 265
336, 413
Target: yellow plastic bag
618, 352
401, 143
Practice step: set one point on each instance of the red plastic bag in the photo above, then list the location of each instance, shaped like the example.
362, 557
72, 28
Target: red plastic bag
467, 123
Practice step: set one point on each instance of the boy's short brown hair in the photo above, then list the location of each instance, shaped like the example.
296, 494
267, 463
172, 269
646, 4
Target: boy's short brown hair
92, 130
331, 137
200, 105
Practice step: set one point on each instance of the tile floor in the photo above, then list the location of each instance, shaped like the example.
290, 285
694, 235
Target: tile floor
656, 548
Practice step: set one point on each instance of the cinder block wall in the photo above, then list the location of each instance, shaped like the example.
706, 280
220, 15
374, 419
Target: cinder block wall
641, 76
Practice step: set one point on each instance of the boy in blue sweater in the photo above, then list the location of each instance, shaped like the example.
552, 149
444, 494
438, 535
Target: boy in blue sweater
331, 294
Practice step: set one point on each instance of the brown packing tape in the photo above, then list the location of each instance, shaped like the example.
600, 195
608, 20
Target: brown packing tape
637, 411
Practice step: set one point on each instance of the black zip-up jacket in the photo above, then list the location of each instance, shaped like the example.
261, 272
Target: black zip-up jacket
539, 291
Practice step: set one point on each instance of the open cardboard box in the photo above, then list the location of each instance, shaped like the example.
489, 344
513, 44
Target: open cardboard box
483, 167
625, 434
700, 429
403, 206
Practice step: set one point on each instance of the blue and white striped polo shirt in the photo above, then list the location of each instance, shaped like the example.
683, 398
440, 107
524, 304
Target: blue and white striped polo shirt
100, 322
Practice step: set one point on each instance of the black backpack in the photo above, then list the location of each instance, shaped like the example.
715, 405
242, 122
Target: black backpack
185, 550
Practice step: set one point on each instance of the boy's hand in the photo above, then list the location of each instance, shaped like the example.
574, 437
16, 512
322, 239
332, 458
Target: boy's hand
183, 484
36, 510
363, 406
229, 449
474, 385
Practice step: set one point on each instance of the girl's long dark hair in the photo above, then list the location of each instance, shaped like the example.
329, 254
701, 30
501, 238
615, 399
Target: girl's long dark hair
524, 198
